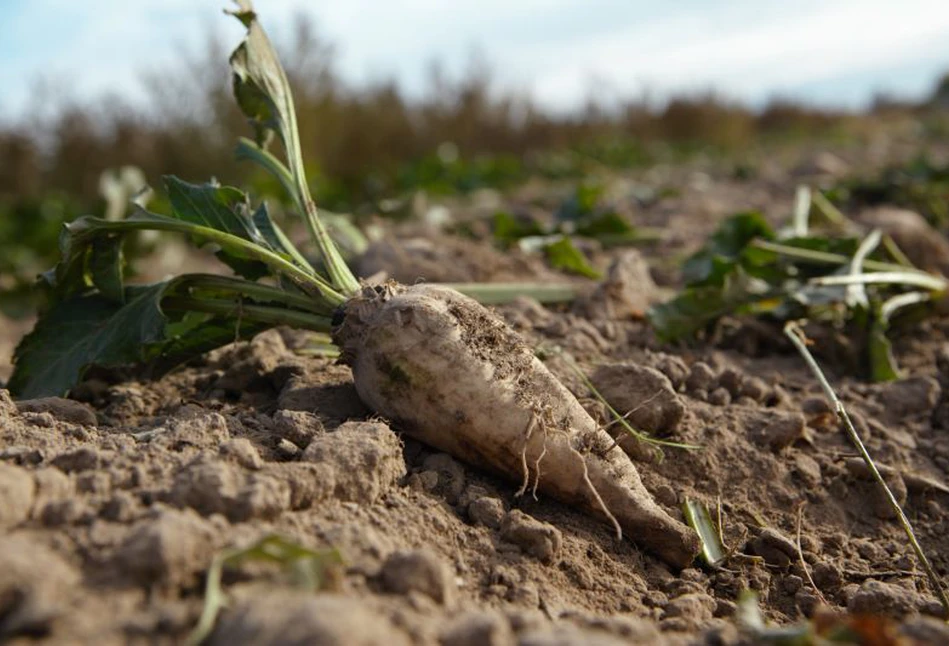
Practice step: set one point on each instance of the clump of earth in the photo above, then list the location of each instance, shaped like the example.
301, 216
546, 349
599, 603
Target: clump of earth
114, 502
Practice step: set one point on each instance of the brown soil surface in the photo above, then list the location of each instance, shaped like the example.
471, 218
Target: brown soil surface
113, 503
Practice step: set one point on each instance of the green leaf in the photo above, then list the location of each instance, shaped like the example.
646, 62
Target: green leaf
83, 331
70, 276
222, 208
105, 264
508, 229
582, 203
725, 247
696, 307
609, 227
563, 255
161, 325
883, 366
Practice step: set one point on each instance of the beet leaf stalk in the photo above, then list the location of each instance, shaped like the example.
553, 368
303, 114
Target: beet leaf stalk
438, 364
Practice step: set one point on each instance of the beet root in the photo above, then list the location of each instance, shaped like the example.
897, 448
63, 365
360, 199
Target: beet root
453, 375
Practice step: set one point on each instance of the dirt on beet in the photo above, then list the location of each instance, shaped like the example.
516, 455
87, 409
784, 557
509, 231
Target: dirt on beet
113, 503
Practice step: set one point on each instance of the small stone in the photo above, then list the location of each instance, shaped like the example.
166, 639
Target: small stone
791, 584
418, 571
97, 483
486, 511
221, 488
537, 538
262, 496
70, 511
62, 409
191, 426
243, 452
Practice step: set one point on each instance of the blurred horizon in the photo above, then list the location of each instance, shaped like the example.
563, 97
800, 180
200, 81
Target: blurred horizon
560, 54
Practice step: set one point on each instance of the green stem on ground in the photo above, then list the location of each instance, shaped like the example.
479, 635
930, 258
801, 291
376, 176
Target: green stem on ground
833, 215
254, 290
903, 277
498, 293
827, 258
257, 313
794, 332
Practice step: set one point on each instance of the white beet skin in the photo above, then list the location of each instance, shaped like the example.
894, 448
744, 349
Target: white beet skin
453, 375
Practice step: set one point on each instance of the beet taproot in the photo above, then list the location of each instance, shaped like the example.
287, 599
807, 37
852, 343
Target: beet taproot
450, 373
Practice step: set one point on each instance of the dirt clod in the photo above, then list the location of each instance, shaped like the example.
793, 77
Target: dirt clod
478, 629
243, 452
537, 538
774, 547
169, 549
280, 616
776, 429
29, 603
366, 458
450, 476
17, 490
701, 377
881, 598
297, 426
645, 393
486, 511
418, 571
66, 410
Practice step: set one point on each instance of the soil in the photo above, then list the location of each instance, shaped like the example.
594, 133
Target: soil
114, 502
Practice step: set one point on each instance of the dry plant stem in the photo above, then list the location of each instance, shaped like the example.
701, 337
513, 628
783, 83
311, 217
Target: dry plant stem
800, 556
796, 335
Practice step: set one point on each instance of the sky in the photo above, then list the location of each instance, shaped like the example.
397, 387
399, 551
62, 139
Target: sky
836, 53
